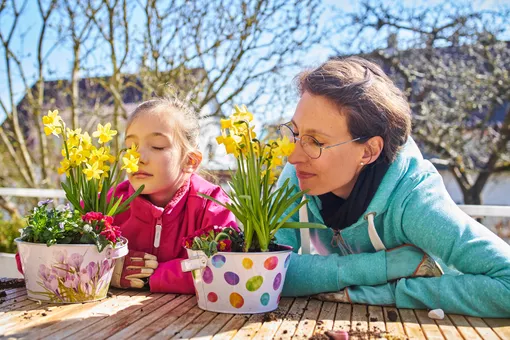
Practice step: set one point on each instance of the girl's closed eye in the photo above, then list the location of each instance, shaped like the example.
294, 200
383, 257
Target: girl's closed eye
159, 148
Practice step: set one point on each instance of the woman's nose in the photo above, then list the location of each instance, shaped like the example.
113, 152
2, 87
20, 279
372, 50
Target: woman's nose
297, 155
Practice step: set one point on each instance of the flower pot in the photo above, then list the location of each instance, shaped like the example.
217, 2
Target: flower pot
68, 273
238, 283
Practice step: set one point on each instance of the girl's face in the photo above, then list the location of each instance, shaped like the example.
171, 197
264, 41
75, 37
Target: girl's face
162, 166
337, 169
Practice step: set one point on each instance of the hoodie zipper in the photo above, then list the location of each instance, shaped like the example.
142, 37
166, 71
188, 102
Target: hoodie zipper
157, 234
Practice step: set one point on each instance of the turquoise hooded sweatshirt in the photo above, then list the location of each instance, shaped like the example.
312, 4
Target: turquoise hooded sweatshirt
412, 206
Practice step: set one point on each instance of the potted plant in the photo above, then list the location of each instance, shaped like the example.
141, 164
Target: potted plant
243, 272
67, 252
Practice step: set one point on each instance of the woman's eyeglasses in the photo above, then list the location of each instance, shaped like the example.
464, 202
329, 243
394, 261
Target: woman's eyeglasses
311, 146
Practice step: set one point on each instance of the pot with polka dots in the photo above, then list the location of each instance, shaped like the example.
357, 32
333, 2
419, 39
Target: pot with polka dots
238, 282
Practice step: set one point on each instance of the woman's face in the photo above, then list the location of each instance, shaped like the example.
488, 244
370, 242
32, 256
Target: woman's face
337, 169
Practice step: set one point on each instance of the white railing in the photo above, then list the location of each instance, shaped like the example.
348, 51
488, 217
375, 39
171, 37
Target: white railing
486, 210
25, 192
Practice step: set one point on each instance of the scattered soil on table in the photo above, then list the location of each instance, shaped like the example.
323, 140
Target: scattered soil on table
357, 333
6, 283
269, 317
392, 315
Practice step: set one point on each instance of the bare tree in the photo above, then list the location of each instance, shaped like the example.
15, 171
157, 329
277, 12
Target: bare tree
454, 68
225, 51
214, 53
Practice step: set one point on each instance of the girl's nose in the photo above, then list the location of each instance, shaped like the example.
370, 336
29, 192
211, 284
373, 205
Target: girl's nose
144, 158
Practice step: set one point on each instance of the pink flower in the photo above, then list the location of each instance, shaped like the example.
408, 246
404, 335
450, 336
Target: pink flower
111, 232
108, 219
92, 216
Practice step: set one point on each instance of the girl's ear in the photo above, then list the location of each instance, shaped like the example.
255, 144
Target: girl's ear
192, 161
373, 148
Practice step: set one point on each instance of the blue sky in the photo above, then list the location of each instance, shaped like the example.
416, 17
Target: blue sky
60, 58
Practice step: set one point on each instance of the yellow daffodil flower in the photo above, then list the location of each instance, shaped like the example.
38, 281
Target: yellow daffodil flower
104, 134
130, 164
92, 171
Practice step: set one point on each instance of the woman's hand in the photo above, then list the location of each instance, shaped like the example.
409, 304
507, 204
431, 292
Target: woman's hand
131, 269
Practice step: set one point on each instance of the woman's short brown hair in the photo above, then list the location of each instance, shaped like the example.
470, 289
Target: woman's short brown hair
374, 106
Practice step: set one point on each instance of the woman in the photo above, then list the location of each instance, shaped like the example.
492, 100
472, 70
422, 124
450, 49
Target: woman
385, 206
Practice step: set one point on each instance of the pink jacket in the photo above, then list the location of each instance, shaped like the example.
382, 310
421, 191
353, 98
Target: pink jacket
159, 231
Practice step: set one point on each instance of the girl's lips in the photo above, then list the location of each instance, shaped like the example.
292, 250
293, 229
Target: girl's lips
141, 175
304, 175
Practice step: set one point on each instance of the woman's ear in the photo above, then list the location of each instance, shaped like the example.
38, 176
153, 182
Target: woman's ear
373, 148
192, 161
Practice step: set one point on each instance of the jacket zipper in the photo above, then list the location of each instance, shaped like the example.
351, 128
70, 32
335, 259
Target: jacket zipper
157, 235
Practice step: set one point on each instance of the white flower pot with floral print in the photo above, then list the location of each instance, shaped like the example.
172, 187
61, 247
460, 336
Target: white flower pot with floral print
235, 282
68, 273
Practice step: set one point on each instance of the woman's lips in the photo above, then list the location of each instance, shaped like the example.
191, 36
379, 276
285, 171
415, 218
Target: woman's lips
304, 175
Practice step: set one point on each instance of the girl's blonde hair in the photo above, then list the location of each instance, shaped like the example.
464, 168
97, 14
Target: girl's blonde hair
186, 120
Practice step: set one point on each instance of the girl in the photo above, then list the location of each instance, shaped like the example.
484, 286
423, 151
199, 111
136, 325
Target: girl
169, 208
368, 182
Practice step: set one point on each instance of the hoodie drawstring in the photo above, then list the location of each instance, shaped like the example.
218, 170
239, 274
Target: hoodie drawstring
304, 232
372, 232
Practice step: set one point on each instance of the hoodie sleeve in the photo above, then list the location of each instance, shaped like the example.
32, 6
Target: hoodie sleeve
169, 277
312, 274
433, 222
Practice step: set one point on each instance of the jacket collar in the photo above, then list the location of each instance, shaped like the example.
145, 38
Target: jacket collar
144, 210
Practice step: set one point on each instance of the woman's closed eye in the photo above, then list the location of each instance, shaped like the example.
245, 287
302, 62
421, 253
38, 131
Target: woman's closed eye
159, 148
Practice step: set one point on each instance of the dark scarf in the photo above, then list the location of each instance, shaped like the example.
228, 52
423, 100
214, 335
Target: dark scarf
339, 213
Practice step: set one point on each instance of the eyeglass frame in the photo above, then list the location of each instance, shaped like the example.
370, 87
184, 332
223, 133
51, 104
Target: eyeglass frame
319, 144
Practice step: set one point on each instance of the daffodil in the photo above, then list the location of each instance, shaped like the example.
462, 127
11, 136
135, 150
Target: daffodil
130, 164
258, 205
104, 133
73, 137
52, 118
52, 123
92, 171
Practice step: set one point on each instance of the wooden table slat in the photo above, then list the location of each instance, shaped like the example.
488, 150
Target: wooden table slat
162, 318
326, 318
142, 315
213, 326
66, 320
343, 317
308, 321
448, 329
195, 326
111, 325
232, 326
291, 320
359, 320
411, 324
275, 319
394, 324
376, 319
429, 327
148, 319
500, 326
250, 327
482, 328
176, 326
463, 326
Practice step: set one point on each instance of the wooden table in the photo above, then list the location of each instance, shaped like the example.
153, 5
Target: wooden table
140, 315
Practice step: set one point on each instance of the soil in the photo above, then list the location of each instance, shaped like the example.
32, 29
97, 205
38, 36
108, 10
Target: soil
356, 333
6, 283
269, 317
392, 315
